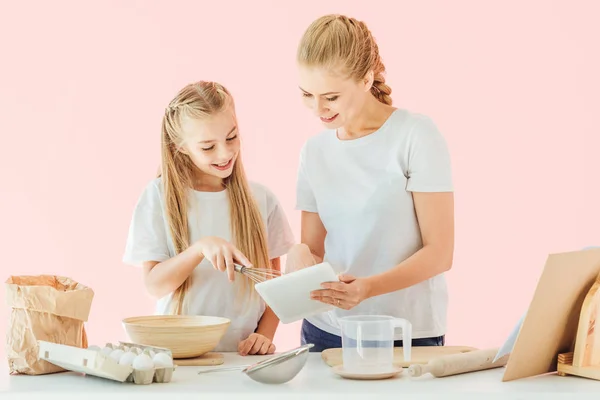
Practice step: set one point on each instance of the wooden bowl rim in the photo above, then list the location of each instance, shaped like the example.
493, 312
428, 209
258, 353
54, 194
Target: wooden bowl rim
140, 321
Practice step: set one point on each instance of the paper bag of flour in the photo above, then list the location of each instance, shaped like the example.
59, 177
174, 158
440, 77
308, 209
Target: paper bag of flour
44, 307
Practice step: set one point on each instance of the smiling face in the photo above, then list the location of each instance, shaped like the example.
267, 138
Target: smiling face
341, 71
333, 97
212, 143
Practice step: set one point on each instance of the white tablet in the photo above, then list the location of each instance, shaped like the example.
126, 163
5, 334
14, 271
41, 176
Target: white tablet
289, 295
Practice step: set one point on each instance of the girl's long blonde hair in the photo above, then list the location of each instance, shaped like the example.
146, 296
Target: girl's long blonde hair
201, 100
335, 41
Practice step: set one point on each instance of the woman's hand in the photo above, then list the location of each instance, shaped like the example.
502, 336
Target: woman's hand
256, 344
345, 294
298, 257
221, 254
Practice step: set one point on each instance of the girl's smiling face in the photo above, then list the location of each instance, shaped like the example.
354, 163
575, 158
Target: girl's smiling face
212, 144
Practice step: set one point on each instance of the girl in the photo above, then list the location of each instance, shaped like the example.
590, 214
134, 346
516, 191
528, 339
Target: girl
375, 191
201, 215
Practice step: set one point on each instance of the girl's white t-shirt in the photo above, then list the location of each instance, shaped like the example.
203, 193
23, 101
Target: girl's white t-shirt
211, 293
361, 190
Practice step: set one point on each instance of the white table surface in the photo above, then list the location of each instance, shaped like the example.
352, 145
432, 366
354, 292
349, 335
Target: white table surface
316, 379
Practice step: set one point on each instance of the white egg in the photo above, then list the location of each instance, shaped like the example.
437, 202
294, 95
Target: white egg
107, 350
162, 360
143, 362
116, 354
127, 358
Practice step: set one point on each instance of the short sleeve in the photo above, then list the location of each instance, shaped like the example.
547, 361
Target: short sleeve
147, 237
429, 167
305, 198
279, 233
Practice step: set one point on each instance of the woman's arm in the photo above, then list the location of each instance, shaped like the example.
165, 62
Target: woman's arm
311, 249
435, 213
312, 234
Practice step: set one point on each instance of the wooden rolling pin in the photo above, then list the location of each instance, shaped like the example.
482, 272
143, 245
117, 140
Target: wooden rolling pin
454, 364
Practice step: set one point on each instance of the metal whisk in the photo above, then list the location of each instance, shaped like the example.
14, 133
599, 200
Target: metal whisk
257, 275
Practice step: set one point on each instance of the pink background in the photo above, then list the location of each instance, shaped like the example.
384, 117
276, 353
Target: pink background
513, 86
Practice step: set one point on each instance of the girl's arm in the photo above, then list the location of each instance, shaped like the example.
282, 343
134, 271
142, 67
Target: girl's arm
162, 278
269, 321
261, 341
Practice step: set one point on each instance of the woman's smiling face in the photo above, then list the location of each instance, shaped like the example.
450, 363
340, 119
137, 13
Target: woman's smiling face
333, 97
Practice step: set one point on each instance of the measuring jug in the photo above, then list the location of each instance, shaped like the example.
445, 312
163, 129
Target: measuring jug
368, 342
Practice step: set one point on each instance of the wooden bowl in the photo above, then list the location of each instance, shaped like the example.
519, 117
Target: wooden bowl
186, 336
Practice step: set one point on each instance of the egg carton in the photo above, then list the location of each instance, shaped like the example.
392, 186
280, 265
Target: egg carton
147, 347
108, 363
161, 374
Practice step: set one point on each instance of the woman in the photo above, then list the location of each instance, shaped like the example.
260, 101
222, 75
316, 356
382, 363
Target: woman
375, 191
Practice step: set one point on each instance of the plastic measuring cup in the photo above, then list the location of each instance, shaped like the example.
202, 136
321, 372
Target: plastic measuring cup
368, 342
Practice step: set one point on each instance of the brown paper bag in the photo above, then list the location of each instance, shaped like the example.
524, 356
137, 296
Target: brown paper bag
44, 307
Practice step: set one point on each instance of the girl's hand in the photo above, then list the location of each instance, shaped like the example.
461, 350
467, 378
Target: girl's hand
345, 294
256, 344
222, 254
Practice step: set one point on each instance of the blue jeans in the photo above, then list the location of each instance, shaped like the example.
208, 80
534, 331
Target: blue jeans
324, 340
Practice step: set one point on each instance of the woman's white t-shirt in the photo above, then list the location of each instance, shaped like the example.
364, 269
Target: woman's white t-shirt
211, 293
361, 190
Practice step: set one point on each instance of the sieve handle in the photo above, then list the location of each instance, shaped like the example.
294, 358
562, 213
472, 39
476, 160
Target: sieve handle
236, 368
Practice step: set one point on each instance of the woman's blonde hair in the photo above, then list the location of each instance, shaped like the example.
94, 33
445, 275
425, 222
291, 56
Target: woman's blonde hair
200, 100
335, 41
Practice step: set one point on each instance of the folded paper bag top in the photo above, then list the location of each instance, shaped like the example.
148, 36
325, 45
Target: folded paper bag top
44, 307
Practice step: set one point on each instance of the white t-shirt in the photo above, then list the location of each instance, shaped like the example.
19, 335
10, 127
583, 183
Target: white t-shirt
361, 190
211, 293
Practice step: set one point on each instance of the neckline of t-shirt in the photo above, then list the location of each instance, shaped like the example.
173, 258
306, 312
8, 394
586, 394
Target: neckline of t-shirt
222, 194
367, 138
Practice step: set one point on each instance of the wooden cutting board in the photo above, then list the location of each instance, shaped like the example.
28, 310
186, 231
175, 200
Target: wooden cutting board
420, 354
205, 359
